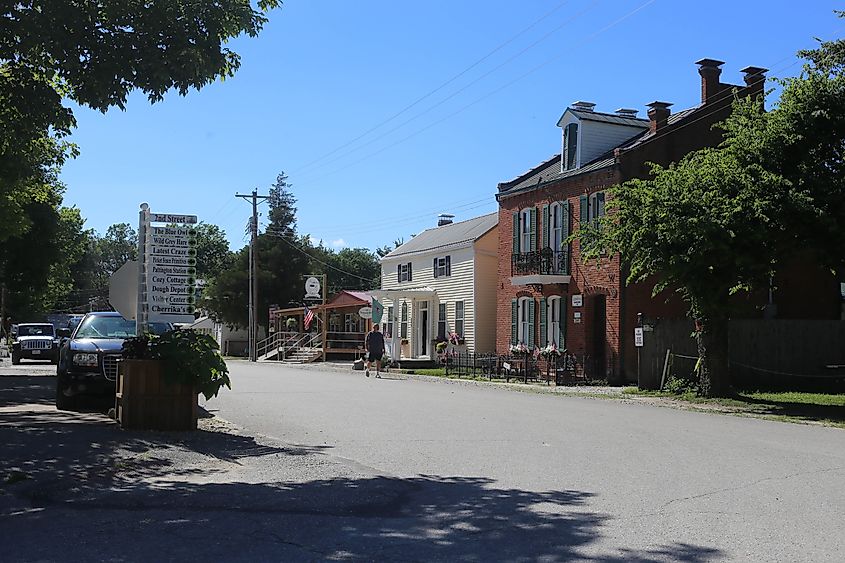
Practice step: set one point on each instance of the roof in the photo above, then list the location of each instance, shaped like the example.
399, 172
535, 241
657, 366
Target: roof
453, 235
614, 118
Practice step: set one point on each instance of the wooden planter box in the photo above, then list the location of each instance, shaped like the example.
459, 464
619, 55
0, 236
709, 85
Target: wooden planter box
144, 401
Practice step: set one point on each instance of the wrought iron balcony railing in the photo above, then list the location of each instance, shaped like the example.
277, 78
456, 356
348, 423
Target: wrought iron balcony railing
545, 261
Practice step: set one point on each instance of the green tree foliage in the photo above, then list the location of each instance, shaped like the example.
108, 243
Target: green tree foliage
95, 52
213, 254
348, 268
722, 220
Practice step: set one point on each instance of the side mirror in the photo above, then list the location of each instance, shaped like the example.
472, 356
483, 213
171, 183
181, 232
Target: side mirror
63, 333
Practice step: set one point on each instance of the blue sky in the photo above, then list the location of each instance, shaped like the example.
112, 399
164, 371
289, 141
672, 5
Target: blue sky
318, 88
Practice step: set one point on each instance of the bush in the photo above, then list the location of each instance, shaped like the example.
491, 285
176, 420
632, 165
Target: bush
680, 386
187, 357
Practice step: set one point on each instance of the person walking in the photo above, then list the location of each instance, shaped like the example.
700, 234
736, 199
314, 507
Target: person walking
374, 349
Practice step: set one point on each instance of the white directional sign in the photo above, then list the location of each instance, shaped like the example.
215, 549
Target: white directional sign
170, 268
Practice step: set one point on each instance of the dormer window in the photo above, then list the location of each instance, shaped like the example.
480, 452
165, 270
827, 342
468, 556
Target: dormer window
569, 156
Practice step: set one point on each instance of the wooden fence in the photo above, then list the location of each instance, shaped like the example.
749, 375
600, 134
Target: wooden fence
763, 353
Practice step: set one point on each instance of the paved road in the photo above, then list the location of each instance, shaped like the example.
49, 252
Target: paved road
490, 473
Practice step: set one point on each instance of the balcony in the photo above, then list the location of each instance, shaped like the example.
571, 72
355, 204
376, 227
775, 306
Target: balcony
541, 267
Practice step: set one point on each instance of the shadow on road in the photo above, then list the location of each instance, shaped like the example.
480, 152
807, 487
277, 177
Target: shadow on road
78, 473
22, 390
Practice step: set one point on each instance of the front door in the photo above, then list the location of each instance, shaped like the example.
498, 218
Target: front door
423, 328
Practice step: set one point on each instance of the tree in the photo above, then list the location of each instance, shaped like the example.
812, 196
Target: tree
213, 254
95, 53
723, 220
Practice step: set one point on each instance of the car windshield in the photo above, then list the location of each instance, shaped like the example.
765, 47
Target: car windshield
97, 326
35, 330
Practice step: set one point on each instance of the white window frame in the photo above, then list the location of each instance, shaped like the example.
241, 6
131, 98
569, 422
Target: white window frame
556, 224
566, 141
460, 313
523, 323
441, 272
553, 332
525, 230
442, 320
595, 210
405, 272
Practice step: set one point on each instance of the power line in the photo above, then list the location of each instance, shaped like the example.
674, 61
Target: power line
493, 92
435, 90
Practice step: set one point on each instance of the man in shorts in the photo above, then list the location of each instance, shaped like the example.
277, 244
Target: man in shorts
374, 349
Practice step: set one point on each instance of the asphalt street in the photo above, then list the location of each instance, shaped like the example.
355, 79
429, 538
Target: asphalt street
305, 464
561, 477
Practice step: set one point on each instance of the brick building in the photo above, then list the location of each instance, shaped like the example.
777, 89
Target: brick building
546, 292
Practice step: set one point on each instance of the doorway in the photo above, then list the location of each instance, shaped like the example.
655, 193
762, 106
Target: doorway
423, 329
598, 350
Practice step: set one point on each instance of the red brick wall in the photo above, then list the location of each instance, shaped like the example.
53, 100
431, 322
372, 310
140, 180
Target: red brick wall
588, 280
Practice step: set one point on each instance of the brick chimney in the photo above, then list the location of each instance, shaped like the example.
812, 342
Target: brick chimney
755, 80
710, 72
658, 115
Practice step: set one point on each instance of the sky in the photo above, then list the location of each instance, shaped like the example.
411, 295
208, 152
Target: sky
384, 114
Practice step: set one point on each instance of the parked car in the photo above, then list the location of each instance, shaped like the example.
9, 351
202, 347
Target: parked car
88, 357
35, 341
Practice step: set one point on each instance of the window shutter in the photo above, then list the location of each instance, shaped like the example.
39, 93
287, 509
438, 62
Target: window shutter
599, 204
448, 265
585, 209
546, 232
565, 217
530, 339
398, 273
562, 317
434, 268
543, 324
516, 233
533, 229
514, 318
409, 272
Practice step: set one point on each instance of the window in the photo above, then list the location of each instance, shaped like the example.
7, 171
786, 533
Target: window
553, 316
404, 272
403, 322
459, 318
443, 267
441, 321
351, 322
526, 321
596, 208
557, 231
569, 156
388, 326
527, 230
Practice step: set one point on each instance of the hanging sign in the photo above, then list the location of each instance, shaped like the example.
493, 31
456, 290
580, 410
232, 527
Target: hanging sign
365, 312
312, 288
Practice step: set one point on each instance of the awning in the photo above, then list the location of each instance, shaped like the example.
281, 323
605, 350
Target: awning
404, 293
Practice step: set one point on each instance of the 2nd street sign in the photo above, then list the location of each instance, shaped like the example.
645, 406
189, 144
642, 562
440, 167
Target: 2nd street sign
173, 218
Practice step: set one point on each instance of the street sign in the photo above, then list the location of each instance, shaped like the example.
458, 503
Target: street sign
173, 218
168, 293
638, 337
123, 290
312, 288
365, 312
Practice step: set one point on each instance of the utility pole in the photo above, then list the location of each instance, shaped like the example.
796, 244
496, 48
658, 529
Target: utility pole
253, 270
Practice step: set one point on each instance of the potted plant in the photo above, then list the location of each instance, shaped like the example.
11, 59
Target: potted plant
161, 376
519, 349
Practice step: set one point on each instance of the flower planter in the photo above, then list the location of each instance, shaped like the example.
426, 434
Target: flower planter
145, 401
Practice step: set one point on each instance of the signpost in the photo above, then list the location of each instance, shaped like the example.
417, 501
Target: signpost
167, 269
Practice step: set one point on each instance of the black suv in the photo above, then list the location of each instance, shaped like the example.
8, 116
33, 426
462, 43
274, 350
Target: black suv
88, 358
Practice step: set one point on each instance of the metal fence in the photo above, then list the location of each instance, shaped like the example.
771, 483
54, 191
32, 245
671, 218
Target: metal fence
524, 368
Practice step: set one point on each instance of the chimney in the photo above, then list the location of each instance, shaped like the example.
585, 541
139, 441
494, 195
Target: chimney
658, 115
627, 112
755, 79
583, 106
710, 72
444, 219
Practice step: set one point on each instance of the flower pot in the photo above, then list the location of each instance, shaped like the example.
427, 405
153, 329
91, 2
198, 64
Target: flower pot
145, 401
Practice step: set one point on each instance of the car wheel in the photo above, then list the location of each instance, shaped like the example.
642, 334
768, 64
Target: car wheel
15, 359
63, 402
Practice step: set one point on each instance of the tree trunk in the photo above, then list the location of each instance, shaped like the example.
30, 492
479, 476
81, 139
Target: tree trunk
713, 350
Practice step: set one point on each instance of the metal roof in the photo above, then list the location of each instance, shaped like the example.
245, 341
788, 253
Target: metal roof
606, 118
452, 235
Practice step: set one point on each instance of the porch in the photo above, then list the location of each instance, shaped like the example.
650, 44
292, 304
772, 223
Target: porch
410, 324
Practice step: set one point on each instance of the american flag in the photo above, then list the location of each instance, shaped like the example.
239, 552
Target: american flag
309, 316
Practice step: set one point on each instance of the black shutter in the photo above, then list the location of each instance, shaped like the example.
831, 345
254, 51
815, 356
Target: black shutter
448, 266
409, 272
435, 267
398, 273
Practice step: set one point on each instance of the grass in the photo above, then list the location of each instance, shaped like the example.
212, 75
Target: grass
791, 406
437, 372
